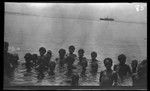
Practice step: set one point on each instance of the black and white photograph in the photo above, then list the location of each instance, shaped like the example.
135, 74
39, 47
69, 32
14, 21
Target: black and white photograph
102, 45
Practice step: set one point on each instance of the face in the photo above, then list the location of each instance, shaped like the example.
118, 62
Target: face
71, 50
28, 57
122, 61
61, 54
80, 54
93, 56
134, 64
34, 57
108, 64
49, 55
42, 52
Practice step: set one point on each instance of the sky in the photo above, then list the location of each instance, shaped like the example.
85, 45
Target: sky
59, 25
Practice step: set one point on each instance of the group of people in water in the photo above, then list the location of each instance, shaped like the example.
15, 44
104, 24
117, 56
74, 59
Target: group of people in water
76, 66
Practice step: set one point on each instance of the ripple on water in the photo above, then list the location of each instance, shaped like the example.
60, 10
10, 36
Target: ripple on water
24, 79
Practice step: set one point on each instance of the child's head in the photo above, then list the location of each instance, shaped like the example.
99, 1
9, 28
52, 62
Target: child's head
122, 59
34, 56
93, 55
71, 49
6, 45
144, 63
28, 56
62, 52
108, 63
80, 52
49, 53
134, 63
16, 57
42, 51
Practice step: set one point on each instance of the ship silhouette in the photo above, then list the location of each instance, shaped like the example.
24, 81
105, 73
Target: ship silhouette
107, 19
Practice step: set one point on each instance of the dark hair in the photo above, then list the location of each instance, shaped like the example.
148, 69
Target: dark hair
62, 51
49, 51
72, 47
109, 59
42, 49
27, 55
144, 62
80, 51
121, 56
94, 54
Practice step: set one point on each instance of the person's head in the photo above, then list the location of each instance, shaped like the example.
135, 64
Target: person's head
134, 63
27, 56
144, 63
62, 52
80, 52
122, 59
108, 63
71, 49
42, 51
34, 56
6, 45
16, 57
49, 53
93, 55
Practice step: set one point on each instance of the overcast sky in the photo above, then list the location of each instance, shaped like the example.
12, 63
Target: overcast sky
107, 38
123, 11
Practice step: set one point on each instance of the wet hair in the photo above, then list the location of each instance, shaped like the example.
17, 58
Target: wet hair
108, 60
94, 54
144, 62
121, 56
49, 52
62, 51
71, 47
80, 51
42, 49
27, 56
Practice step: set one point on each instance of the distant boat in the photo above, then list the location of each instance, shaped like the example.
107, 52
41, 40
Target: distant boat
107, 19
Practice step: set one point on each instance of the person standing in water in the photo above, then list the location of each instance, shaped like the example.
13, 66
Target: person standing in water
108, 77
61, 59
94, 63
82, 62
70, 60
41, 63
51, 63
123, 70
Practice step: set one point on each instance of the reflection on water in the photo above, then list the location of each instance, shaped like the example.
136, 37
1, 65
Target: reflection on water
21, 78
